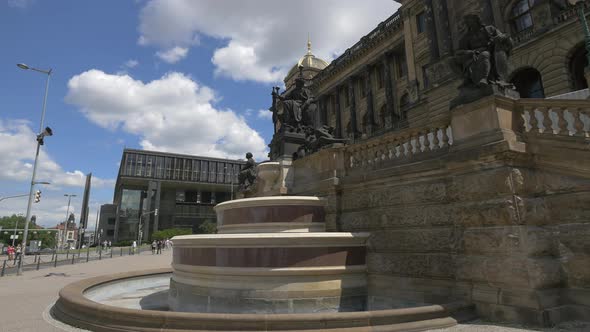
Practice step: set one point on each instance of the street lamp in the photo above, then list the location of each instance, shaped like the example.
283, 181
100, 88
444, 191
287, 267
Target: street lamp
579, 6
42, 133
69, 196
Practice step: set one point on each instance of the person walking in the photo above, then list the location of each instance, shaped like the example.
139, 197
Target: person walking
154, 243
18, 252
134, 247
159, 247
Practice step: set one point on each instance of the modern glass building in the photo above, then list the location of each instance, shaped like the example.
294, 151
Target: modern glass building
165, 190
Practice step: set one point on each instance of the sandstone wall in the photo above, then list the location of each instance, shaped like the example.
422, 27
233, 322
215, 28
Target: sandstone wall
507, 230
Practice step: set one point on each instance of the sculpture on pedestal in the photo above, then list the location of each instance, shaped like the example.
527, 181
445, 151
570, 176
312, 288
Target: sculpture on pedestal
482, 61
247, 175
295, 119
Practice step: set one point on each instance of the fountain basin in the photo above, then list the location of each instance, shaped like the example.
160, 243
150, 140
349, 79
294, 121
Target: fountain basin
75, 307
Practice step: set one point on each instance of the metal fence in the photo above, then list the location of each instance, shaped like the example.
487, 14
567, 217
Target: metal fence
56, 258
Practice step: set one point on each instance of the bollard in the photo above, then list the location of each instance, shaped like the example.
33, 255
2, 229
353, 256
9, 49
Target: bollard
3, 269
38, 263
73, 257
121, 252
111, 252
99, 254
55, 261
87, 255
68, 253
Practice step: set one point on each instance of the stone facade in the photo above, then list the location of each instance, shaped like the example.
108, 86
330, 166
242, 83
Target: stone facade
399, 76
497, 215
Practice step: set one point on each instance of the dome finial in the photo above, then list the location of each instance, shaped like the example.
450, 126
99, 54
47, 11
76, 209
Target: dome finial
308, 44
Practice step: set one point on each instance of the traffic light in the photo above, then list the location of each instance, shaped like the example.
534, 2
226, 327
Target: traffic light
37, 196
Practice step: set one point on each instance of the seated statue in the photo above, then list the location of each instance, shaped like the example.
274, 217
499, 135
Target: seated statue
293, 109
482, 61
247, 175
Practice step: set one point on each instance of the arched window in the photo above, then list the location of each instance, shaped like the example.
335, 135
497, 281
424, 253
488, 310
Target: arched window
521, 15
404, 102
578, 63
528, 83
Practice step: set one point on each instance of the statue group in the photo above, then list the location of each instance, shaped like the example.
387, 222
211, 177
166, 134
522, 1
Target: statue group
482, 62
297, 111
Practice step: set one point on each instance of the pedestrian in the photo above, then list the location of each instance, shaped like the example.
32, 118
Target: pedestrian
134, 246
154, 247
159, 247
167, 244
109, 244
10, 252
18, 252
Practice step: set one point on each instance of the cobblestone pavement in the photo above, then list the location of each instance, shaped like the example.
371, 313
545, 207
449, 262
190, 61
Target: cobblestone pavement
25, 300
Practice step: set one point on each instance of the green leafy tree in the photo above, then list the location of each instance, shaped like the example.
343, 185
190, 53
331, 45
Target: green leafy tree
10, 222
170, 233
207, 227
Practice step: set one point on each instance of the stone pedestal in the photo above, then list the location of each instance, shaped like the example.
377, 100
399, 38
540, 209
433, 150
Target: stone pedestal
285, 144
487, 121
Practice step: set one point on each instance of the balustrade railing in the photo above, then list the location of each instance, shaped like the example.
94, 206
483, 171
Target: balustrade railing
555, 117
400, 145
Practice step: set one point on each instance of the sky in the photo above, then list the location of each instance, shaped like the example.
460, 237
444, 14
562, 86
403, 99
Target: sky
184, 76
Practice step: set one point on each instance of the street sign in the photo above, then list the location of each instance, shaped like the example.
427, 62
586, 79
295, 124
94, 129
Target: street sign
15, 237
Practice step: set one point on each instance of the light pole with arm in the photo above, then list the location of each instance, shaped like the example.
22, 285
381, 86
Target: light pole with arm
40, 136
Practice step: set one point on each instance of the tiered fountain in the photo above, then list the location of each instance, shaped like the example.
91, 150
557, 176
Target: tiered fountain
272, 267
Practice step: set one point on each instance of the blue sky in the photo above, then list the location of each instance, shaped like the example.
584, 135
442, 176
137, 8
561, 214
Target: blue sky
176, 75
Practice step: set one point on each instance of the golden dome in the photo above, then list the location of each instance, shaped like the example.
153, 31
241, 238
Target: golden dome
307, 62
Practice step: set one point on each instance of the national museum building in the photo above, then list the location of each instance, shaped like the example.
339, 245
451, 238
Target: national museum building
182, 189
399, 75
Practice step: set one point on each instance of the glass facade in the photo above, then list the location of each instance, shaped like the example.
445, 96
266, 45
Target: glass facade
183, 188
179, 168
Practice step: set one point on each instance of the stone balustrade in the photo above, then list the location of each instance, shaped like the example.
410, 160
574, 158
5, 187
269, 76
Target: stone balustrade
400, 145
555, 117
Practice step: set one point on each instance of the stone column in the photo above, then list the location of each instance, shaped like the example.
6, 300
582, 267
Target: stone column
369, 98
441, 25
431, 31
338, 113
389, 87
409, 46
352, 105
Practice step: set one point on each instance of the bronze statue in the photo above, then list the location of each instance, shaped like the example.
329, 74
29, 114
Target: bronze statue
247, 175
482, 61
293, 109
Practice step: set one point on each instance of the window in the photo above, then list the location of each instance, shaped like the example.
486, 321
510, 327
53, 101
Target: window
110, 232
528, 83
402, 67
195, 170
380, 74
404, 101
521, 15
362, 87
148, 166
180, 196
346, 98
130, 164
425, 82
111, 221
139, 165
578, 63
421, 22
168, 168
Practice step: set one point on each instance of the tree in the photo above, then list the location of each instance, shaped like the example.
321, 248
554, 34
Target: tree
170, 233
207, 227
10, 222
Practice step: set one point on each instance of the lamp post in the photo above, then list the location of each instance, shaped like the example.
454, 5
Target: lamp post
69, 196
579, 6
42, 133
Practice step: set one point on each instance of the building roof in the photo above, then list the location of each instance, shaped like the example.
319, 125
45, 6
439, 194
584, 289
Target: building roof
307, 61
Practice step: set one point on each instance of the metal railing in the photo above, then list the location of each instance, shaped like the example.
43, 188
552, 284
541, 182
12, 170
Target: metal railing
60, 257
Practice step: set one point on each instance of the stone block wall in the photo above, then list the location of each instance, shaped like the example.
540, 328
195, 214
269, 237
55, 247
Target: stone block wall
488, 224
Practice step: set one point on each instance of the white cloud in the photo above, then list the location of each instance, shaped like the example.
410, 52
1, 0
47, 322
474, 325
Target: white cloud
131, 63
20, 3
265, 114
173, 113
263, 38
173, 55
17, 148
